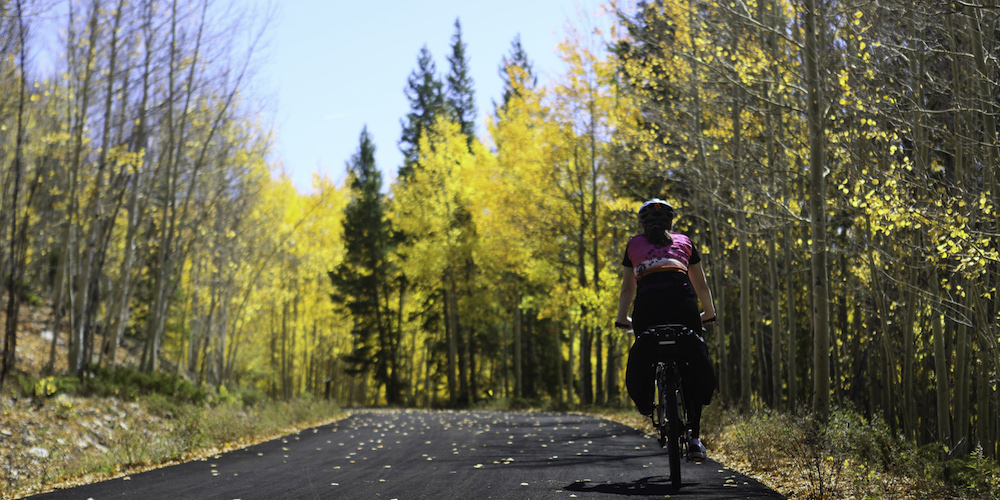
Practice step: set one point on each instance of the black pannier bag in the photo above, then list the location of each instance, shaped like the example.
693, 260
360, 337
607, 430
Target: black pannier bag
679, 343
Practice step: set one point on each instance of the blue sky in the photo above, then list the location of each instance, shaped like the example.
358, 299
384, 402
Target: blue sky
333, 67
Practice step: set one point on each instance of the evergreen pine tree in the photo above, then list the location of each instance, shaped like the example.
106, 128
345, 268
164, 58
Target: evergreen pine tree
460, 95
426, 95
364, 280
518, 58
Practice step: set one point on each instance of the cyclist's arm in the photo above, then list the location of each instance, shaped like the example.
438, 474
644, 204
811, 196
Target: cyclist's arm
700, 283
626, 295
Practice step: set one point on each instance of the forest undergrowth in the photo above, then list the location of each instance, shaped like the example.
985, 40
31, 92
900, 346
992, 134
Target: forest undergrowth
850, 457
56, 432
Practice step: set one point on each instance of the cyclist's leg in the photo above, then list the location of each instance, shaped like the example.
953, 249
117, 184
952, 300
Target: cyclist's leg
696, 450
701, 370
694, 418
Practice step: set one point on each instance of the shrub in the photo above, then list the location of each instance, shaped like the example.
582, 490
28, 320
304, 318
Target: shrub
130, 384
250, 397
870, 442
65, 408
974, 475
50, 386
33, 299
768, 438
46, 387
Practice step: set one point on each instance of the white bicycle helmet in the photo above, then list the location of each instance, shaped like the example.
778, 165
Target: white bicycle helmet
655, 210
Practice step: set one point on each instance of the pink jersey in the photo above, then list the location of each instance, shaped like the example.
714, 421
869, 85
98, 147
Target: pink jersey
644, 257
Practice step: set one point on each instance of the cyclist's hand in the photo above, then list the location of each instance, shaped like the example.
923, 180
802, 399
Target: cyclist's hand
624, 325
705, 321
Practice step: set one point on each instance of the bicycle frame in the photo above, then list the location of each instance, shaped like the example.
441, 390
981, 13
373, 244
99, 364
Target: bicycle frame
670, 416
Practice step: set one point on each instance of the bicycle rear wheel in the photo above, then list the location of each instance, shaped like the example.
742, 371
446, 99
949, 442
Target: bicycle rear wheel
669, 401
660, 416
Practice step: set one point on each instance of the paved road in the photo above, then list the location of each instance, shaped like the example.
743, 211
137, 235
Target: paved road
437, 455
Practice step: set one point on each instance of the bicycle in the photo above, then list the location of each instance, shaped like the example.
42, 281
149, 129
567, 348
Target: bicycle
670, 415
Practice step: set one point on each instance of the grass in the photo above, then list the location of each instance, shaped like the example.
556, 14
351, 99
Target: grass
142, 423
847, 457
200, 430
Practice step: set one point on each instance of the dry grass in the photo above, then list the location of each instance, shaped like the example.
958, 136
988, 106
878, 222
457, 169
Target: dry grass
69, 441
66, 440
849, 458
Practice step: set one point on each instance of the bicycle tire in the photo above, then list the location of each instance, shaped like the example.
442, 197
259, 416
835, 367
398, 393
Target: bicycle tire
660, 408
674, 431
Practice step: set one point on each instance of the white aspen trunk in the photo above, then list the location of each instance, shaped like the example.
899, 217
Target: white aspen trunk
79, 323
817, 211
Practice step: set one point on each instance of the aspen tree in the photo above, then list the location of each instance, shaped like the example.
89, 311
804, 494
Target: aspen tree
18, 225
817, 209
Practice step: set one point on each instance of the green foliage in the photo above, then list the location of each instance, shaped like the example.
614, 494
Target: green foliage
249, 396
425, 91
366, 276
45, 387
136, 446
852, 456
224, 397
974, 475
129, 383
164, 392
768, 438
65, 408
33, 299
865, 455
870, 442
231, 421
50, 386
516, 73
701, 102
460, 95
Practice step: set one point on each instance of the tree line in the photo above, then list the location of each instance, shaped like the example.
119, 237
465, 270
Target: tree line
840, 159
835, 162
139, 203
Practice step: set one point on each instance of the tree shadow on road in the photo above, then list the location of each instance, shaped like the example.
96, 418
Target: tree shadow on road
654, 485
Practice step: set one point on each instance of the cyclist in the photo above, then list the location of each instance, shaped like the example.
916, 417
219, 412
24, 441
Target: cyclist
663, 273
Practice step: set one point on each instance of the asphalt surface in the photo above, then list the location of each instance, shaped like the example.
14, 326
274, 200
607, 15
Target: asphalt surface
438, 455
